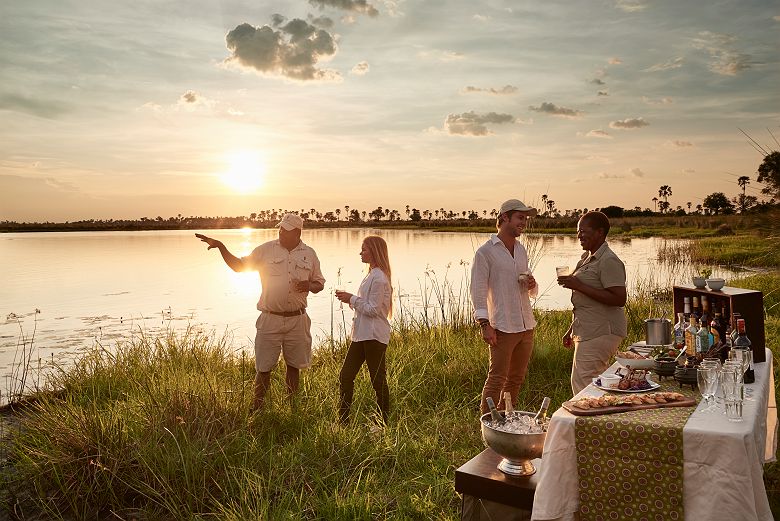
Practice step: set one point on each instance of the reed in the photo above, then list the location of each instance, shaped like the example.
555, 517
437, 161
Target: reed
160, 428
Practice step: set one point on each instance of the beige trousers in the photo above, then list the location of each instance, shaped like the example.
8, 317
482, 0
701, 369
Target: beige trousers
591, 358
508, 366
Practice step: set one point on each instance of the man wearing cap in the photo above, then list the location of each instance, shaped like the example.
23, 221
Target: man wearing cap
289, 270
501, 282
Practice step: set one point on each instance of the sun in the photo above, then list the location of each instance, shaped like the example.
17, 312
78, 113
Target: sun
246, 172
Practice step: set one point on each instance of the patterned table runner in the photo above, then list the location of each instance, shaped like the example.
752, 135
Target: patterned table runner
630, 465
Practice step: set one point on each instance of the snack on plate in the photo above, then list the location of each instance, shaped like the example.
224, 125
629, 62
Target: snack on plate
630, 355
635, 399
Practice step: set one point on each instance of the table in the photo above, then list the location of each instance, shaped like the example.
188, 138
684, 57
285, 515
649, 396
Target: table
488, 493
723, 461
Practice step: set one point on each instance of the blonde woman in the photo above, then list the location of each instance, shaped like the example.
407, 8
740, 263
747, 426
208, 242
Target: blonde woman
370, 327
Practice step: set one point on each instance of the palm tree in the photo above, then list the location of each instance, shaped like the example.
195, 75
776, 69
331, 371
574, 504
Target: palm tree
544, 200
665, 191
550, 207
689, 206
338, 214
408, 211
655, 204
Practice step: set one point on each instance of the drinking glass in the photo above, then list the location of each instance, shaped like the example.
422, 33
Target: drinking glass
705, 377
562, 271
733, 394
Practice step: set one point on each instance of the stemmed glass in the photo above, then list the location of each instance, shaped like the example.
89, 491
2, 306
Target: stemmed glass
707, 379
745, 358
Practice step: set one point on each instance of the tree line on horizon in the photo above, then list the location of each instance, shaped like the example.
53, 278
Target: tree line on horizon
716, 203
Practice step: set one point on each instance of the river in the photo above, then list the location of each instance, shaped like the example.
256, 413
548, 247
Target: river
72, 290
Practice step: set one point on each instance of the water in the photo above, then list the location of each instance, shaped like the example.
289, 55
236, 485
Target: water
101, 286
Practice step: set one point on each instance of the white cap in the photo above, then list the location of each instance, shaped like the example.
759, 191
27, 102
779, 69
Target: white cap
290, 221
516, 204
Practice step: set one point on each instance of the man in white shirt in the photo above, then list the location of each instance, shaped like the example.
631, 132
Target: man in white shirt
289, 270
501, 282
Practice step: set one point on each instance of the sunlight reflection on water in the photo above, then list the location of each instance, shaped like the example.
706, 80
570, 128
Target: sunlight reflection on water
100, 286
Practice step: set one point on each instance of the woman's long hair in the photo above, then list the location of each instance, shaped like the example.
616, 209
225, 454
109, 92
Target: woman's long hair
377, 247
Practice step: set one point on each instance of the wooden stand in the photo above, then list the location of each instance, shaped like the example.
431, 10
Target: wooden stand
480, 478
749, 303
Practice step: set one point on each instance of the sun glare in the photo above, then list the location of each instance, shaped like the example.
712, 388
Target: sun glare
246, 172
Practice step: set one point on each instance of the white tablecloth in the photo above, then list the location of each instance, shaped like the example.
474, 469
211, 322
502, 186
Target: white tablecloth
722, 471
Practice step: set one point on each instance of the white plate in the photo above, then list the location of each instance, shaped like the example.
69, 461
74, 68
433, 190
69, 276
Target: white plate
653, 387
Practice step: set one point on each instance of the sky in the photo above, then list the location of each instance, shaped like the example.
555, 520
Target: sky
223, 108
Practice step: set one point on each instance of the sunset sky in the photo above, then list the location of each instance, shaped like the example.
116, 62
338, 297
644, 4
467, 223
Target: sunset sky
131, 109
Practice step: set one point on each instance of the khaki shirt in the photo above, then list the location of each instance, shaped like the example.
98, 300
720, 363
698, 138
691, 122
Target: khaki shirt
592, 319
279, 270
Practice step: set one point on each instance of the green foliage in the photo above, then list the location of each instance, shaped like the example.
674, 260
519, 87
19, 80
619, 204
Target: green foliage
160, 428
718, 203
769, 174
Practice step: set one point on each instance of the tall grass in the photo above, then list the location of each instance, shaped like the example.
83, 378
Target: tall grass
160, 427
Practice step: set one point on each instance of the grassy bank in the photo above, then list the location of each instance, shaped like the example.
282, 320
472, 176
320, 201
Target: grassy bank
160, 429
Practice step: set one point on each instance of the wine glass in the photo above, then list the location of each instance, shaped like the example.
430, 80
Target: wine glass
704, 377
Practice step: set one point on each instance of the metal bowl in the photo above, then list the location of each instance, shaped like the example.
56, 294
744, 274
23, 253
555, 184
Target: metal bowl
665, 366
517, 449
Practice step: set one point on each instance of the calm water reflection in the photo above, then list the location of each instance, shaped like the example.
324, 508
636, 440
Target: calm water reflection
99, 286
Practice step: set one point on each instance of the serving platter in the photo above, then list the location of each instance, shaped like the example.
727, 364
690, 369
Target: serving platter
614, 409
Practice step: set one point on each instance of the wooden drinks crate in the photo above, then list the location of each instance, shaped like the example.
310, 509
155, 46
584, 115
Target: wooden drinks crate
747, 302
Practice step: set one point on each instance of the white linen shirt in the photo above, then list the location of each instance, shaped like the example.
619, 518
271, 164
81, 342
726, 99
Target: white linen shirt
372, 307
496, 293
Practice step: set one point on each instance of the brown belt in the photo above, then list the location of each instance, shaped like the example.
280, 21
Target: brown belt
288, 313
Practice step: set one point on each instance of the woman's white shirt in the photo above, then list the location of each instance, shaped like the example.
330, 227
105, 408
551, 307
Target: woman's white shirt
372, 307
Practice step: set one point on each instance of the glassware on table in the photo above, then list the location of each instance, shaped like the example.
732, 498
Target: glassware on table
733, 395
707, 379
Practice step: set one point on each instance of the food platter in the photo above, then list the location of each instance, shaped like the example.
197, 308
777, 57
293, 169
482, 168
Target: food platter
652, 387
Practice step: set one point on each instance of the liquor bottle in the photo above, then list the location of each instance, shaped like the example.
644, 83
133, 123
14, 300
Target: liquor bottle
696, 309
743, 342
715, 331
724, 353
493, 411
542, 414
724, 315
690, 337
679, 331
734, 318
687, 308
703, 340
705, 318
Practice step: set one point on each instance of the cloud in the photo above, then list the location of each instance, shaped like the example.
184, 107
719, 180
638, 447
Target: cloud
473, 124
360, 69
443, 56
292, 51
357, 6
597, 81
629, 123
602, 93
688, 171
321, 21
505, 90
634, 172
35, 107
615, 61
679, 144
724, 59
660, 101
554, 110
481, 18
630, 6
598, 133
674, 63
191, 100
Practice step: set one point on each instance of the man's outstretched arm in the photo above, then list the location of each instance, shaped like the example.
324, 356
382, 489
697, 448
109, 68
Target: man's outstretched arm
235, 263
